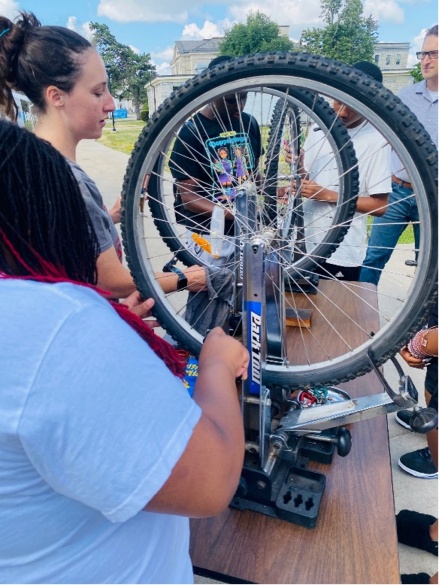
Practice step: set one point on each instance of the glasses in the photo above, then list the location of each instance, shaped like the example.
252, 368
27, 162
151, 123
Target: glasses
233, 99
431, 54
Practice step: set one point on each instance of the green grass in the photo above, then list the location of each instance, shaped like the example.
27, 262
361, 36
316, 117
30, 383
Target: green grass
125, 137
407, 236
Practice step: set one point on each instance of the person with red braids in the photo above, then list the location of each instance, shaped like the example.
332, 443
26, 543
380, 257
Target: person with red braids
103, 453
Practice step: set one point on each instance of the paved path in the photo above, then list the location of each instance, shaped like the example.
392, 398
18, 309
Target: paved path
105, 166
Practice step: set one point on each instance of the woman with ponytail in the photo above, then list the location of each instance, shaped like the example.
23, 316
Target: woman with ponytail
65, 78
103, 454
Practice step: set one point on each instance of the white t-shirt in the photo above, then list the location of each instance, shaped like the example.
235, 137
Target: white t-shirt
92, 423
374, 158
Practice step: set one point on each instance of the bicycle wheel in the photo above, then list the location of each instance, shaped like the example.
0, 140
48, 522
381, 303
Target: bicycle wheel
286, 132
398, 310
297, 105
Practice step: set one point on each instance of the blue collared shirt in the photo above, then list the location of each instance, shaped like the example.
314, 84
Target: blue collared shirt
424, 104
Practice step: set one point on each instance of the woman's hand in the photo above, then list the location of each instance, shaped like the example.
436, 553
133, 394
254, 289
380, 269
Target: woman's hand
222, 349
412, 361
140, 307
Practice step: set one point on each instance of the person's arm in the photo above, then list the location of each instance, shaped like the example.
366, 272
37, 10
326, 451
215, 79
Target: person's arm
425, 340
144, 443
206, 476
195, 275
431, 337
115, 211
371, 205
115, 278
196, 203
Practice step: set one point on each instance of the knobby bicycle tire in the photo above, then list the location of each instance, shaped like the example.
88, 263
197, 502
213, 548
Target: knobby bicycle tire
385, 112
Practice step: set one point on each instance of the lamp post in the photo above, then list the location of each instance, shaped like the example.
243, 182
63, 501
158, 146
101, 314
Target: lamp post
108, 69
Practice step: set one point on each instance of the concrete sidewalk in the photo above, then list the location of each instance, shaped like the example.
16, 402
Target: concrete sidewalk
107, 168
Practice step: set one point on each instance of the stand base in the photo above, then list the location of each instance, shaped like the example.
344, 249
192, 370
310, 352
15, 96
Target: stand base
297, 500
291, 492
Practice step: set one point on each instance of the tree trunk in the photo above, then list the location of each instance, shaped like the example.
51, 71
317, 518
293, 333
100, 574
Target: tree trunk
137, 108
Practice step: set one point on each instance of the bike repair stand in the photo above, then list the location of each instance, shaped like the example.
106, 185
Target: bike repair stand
280, 437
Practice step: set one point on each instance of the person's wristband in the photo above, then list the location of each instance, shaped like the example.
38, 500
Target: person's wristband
182, 281
417, 345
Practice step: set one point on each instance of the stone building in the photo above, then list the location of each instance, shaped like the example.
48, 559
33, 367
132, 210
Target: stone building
191, 57
392, 59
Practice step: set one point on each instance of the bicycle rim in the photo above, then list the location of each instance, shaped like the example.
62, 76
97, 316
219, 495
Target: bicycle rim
396, 315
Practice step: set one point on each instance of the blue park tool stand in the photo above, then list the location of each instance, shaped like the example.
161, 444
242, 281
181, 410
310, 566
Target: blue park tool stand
281, 437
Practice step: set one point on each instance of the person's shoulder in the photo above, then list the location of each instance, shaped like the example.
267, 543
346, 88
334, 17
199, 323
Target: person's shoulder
314, 134
194, 126
368, 128
44, 308
370, 137
64, 295
76, 169
87, 185
252, 120
412, 89
249, 121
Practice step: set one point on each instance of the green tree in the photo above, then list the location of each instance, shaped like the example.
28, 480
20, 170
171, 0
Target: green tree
259, 34
128, 72
416, 72
347, 36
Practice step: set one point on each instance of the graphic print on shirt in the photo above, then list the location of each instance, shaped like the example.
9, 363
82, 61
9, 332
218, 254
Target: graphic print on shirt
231, 159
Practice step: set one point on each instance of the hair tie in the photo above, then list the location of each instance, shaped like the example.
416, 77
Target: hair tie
4, 32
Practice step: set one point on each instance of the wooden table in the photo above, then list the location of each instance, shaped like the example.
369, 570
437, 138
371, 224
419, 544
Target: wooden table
355, 538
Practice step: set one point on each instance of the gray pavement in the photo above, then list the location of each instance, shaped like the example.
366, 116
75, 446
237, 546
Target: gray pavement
107, 168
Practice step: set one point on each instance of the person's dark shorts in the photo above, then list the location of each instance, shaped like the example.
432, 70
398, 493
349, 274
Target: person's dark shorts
431, 382
433, 402
332, 271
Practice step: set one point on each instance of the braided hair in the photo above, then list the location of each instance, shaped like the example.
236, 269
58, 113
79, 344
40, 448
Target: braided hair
33, 56
42, 212
46, 233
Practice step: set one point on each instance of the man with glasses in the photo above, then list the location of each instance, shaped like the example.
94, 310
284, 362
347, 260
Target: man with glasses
422, 99
214, 152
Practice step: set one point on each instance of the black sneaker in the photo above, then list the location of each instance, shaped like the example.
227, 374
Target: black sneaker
413, 530
403, 417
414, 578
419, 463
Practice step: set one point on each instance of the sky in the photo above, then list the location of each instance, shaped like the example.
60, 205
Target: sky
153, 26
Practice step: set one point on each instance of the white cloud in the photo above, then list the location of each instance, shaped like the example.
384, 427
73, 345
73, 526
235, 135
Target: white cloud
9, 8
82, 29
207, 31
162, 68
141, 11
297, 14
165, 55
388, 10
416, 45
